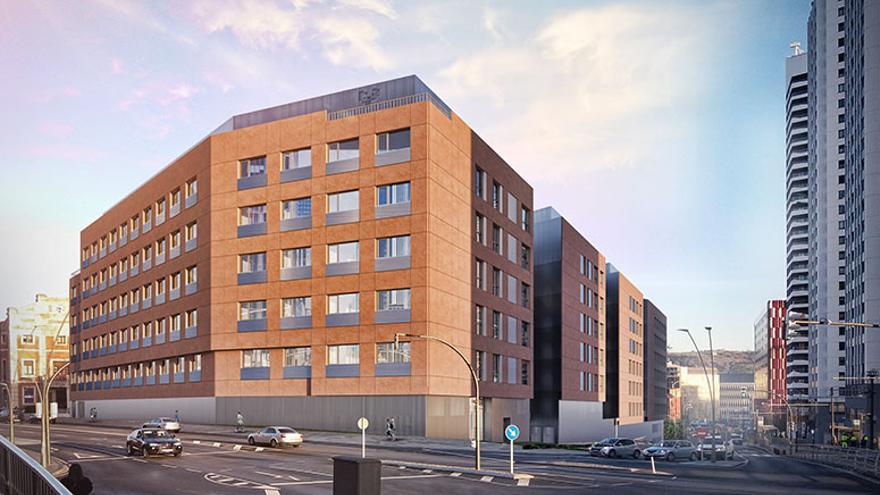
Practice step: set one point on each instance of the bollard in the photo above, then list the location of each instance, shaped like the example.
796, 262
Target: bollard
357, 476
653, 467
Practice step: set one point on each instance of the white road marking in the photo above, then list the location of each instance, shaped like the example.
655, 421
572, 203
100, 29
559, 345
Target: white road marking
384, 478
523, 482
170, 466
427, 471
215, 444
487, 479
455, 475
197, 442
270, 491
193, 470
401, 467
236, 447
259, 449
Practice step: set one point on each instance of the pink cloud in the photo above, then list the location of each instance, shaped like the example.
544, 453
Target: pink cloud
70, 91
116, 66
56, 130
64, 152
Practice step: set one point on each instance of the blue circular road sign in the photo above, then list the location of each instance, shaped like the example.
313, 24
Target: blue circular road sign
511, 432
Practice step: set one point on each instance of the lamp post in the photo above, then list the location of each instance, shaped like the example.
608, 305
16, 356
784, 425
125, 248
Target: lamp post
476, 379
9, 408
712, 364
708, 381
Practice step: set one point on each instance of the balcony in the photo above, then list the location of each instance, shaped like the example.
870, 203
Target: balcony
174, 210
174, 294
301, 223
342, 319
252, 277
394, 314
393, 210
344, 268
295, 174
191, 288
175, 252
256, 325
342, 370
251, 229
391, 157
296, 322
339, 217
296, 273
160, 218
340, 166
393, 369
255, 373
251, 182
392, 263
134, 270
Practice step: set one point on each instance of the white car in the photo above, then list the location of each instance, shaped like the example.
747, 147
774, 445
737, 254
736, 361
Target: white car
276, 436
167, 424
723, 450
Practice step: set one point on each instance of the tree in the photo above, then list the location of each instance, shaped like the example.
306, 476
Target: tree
673, 430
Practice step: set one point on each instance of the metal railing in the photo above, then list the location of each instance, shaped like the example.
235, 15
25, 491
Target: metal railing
392, 103
862, 461
22, 475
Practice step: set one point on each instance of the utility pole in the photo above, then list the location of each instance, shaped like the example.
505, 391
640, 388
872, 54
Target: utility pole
833, 437
712, 363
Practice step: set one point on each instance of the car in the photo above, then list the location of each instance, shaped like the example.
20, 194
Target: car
276, 436
736, 438
672, 450
153, 441
167, 424
616, 447
723, 449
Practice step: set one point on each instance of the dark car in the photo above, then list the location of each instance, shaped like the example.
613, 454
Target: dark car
151, 441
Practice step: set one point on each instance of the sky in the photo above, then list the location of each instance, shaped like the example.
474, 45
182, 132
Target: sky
655, 128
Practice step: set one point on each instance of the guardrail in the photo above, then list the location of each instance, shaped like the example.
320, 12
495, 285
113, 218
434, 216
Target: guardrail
22, 475
862, 461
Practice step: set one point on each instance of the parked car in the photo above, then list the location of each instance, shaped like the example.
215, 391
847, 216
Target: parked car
276, 436
737, 438
723, 449
167, 424
152, 441
672, 450
616, 447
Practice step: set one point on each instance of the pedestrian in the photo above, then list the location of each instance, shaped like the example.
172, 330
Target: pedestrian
177, 416
239, 422
76, 481
389, 429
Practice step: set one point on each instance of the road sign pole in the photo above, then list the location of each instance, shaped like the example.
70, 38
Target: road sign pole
511, 433
363, 443
511, 457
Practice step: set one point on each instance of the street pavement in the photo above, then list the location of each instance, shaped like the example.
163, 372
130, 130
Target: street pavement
220, 463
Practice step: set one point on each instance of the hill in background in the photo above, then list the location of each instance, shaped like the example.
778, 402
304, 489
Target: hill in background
726, 361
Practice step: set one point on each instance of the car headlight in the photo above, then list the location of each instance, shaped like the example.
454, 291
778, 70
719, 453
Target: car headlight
662, 452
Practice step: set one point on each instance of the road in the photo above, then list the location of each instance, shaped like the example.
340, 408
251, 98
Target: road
217, 466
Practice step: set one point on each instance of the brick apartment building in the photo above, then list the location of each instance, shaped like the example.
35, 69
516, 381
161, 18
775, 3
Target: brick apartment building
268, 269
569, 333
34, 344
655, 380
625, 341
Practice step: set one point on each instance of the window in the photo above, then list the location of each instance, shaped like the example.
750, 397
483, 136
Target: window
496, 238
342, 303
344, 252
252, 215
252, 310
525, 292
480, 182
525, 256
583, 379
192, 318
496, 281
343, 201
255, 358
342, 150
480, 323
343, 354
525, 334
496, 325
160, 286
175, 197
296, 159
480, 273
296, 257
174, 280
392, 194
524, 373
481, 365
392, 247
175, 323
29, 394
192, 275
525, 216
175, 239
298, 356
296, 208
496, 368
192, 187
251, 167
393, 300
27, 339
192, 231
386, 354
253, 262
583, 293
296, 307
496, 196
391, 141
27, 367
160, 207
480, 228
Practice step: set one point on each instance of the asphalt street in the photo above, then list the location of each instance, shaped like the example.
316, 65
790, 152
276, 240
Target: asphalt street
219, 466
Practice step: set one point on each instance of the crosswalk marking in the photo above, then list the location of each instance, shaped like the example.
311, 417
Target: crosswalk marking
522, 482
487, 479
455, 475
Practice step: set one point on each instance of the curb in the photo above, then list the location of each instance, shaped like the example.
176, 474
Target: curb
460, 469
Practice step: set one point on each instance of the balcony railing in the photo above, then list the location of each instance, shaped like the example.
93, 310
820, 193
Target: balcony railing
22, 475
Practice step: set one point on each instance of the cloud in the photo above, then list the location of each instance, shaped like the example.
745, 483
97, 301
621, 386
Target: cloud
381, 7
589, 83
64, 152
490, 20
56, 130
116, 66
256, 24
352, 42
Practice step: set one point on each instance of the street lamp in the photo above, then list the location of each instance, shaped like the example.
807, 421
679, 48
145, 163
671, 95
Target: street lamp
467, 363
708, 381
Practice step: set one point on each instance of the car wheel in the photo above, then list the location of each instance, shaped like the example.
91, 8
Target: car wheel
296, 446
636, 454
130, 451
670, 457
273, 443
251, 440
693, 456
145, 452
612, 453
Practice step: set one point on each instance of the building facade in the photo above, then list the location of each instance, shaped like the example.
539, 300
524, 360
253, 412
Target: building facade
695, 394
826, 69
34, 341
770, 360
655, 382
673, 380
735, 399
624, 344
268, 269
797, 221
569, 334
